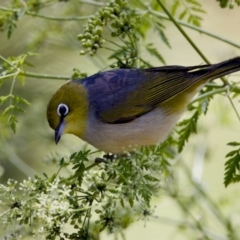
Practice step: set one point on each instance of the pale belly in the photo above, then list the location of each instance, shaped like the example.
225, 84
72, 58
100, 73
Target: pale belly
149, 129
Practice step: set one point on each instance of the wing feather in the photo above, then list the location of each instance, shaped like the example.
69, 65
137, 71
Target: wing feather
121, 95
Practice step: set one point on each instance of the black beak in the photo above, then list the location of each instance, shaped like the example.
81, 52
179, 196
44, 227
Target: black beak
59, 131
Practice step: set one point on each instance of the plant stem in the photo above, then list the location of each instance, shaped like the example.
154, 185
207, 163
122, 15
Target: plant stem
91, 166
208, 94
8, 76
35, 75
30, 74
187, 37
12, 85
234, 108
44, 16
216, 210
57, 18
183, 32
187, 212
199, 29
9, 153
43, 76
6, 61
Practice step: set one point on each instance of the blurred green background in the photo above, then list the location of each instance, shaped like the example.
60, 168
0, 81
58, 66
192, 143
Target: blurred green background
23, 154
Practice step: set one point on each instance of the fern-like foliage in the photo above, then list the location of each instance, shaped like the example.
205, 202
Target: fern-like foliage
13, 104
11, 24
154, 52
232, 165
159, 27
189, 10
187, 127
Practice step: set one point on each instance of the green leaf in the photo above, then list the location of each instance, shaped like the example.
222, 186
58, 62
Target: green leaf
194, 2
234, 144
18, 99
187, 126
21, 79
7, 110
159, 27
183, 14
168, 154
4, 98
131, 202
196, 20
146, 194
122, 202
153, 51
196, 9
236, 178
145, 64
232, 166
151, 178
12, 120
11, 25
231, 153
174, 7
45, 175
62, 162
189, 20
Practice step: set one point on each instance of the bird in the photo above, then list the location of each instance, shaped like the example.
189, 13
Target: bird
123, 109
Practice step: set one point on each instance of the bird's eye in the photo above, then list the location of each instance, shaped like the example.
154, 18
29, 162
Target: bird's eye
62, 109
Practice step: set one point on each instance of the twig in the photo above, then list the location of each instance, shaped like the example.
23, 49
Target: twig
208, 94
75, 18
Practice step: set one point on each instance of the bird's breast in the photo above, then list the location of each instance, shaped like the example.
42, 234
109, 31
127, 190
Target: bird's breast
149, 129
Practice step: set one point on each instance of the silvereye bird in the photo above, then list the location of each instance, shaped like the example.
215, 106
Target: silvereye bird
122, 109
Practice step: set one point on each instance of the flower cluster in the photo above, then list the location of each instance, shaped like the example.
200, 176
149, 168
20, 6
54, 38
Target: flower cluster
111, 192
46, 206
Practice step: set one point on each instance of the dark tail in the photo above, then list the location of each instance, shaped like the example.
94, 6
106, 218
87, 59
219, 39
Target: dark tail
221, 69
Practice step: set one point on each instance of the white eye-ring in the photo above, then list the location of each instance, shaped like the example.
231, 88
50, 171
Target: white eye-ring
62, 110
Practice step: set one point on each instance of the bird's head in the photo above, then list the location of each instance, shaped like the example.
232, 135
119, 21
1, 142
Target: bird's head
67, 110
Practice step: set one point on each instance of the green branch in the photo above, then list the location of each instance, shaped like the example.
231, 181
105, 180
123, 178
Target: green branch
209, 94
35, 75
9, 75
57, 18
234, 107
43, 76
46, 17
18, 71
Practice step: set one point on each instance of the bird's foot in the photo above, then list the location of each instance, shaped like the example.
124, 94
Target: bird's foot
109, 156
106, 157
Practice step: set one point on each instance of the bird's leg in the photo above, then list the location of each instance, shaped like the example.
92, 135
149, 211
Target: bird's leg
100, 160
106, 157
109, 156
